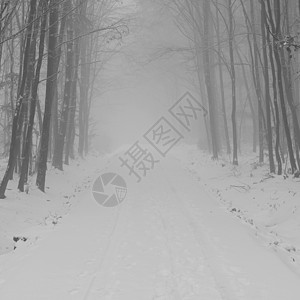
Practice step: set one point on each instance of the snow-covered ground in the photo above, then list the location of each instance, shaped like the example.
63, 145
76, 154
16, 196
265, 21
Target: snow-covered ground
192, 229
21, 214
268, 203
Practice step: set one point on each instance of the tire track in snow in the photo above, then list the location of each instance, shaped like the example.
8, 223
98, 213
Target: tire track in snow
104, 255
173, 281
211, 257
175, 292
189, 274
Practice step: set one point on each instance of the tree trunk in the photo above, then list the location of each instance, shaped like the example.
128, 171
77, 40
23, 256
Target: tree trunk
56, 136
60, 141
277, 118
258, 86
233, 87
50, 89
208, 76
16, 119
249, 26
267, 89
69, 153
84, 89
276, 30
249, 97
34, 91
221, 81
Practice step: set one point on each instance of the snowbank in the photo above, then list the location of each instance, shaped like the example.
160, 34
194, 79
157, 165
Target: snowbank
266, 202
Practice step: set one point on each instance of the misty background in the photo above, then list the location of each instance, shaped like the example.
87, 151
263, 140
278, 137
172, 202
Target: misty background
143, 79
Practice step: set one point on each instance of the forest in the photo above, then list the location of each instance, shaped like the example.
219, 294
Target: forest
51, 53
150, 149
243, 57
246, 62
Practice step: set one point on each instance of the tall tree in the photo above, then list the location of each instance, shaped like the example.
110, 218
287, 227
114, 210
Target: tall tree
221, 80
233, 82
60, 141
34, 95
276, 29
50, 89
267, 87
84, 83
16, 119
207, 64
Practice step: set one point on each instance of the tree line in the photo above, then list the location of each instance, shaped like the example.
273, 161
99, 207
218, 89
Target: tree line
246, 61
50, 54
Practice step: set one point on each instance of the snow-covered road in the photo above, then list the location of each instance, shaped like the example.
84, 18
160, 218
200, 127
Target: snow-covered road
168, 240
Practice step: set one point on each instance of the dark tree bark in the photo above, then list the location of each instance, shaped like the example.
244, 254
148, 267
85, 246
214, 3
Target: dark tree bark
12, 151
277, 49
233, 84
84, 88
208, 77
34, 91
267, 88
287, 78
50, 89
23, 127
60, 141
276, 107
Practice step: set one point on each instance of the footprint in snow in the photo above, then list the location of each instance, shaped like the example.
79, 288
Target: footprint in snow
90, 262
74, 291
83, 274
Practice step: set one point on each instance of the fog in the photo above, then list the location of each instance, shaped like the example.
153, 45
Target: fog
94, 94
144, 78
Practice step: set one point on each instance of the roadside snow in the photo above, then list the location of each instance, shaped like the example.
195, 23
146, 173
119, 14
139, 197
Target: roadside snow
267, 203
23, 217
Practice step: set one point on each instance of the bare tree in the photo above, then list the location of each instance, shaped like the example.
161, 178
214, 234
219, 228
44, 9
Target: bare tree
16, 119
50, 89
